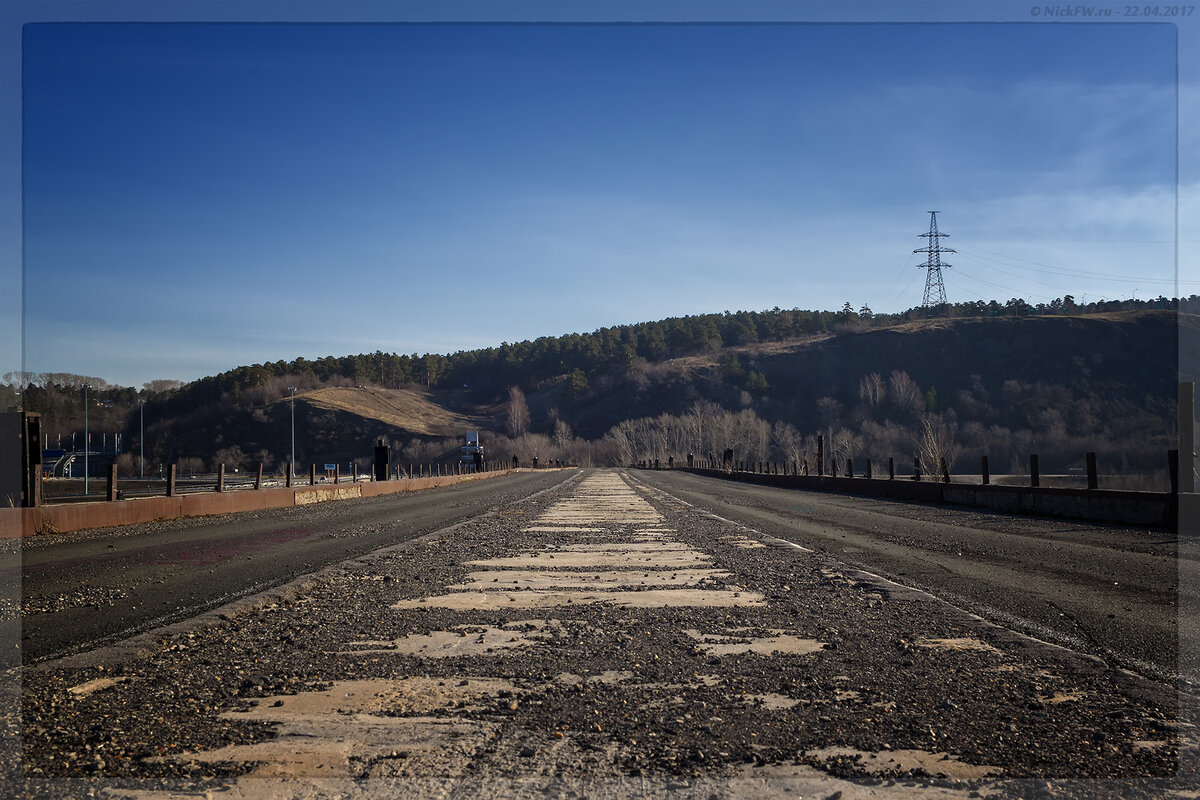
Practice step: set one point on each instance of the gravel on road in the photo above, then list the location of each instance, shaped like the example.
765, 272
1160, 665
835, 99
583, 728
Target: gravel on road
601, 639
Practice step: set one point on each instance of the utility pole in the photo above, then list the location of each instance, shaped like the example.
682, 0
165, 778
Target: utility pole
141, 438
935, 290
293, 464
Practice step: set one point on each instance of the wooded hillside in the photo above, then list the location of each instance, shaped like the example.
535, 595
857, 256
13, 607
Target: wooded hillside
1004, 380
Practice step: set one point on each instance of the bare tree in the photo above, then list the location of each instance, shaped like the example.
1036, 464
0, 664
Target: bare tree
517, 420
936, 443
562, 434
872, 390
905, 393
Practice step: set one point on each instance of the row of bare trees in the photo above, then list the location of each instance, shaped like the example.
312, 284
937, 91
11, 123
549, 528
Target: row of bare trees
707, 430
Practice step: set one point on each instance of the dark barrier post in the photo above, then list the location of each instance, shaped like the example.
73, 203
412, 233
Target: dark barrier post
820, 455
832, 467
288, 475
171, 480
849, 467
312, 474
383, 466
337, 474
1093, 478
1186, 410
354, 473
806, 466
945, 471
1172, 468
891, 468
868, 468
916, 468
220, 477
1035, 478
112, 483
258, 477
985, 475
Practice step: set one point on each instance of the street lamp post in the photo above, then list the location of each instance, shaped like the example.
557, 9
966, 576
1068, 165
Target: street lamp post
141, 438
293, 462
86, 441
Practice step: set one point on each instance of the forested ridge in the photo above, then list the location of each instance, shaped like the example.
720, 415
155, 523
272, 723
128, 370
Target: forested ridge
1000, 378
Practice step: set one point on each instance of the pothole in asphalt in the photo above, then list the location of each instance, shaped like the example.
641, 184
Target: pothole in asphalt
464, 640
561, 529
413, 695
771, 701
958, 644
540, 579
900, 761
610, 557
611, 676
649, 598
777, 643
93, 686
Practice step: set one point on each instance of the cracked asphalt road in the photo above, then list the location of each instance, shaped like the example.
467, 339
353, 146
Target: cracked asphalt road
602, 637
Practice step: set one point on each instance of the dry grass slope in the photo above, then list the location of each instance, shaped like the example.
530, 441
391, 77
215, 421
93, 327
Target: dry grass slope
409, 409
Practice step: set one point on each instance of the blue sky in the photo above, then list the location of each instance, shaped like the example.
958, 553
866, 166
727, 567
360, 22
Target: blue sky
202, 196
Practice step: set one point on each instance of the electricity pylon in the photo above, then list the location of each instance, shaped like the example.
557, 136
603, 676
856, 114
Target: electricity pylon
935, 290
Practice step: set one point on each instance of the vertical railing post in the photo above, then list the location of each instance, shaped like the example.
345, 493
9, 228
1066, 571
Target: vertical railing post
945, 471
312, 474
1035, 478
1093, 477
170, 480
220, 477
112, 483
288, 475
258, 477
891, 468
820, 455
984, 472
916, 468
1186, 410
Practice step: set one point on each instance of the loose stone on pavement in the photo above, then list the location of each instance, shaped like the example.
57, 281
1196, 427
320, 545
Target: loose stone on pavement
600, 640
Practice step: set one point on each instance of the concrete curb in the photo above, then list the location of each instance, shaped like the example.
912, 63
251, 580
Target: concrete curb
18, 523
1156, 509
